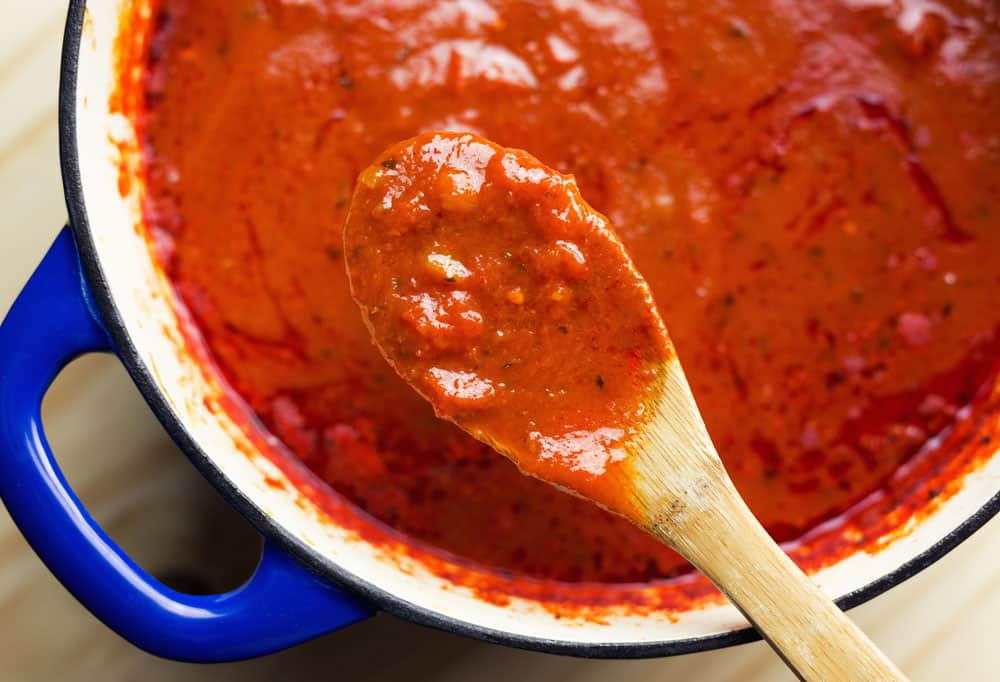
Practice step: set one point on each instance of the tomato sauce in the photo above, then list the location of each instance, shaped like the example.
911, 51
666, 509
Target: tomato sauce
493, 289
811, 190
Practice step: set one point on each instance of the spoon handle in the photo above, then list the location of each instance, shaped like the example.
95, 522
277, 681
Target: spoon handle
814, 637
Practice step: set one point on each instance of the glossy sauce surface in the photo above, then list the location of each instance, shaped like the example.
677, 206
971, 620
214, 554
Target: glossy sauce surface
503, 298
812, 191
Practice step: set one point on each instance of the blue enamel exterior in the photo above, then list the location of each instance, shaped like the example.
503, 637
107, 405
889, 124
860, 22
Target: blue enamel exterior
52, 322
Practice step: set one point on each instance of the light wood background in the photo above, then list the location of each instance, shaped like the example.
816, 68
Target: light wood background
941, 625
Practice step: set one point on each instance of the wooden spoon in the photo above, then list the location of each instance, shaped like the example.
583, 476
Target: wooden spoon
493, 288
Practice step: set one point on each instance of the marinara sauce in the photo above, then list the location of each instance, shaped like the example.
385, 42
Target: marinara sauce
495, 290
811, 190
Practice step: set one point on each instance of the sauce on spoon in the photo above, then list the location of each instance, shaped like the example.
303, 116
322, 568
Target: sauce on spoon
497, 292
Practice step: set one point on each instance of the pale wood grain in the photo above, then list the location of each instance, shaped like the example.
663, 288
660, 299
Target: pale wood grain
938, 626
684, 497
35, 63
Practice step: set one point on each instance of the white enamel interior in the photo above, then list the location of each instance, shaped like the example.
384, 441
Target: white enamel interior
146, 305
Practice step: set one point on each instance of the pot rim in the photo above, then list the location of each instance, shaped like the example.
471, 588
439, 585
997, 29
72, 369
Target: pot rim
128, 354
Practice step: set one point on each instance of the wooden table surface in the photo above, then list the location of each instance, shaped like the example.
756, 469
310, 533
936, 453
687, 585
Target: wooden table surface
940, 625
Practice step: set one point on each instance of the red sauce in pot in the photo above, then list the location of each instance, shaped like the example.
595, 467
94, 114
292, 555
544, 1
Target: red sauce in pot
814, 187
504, 299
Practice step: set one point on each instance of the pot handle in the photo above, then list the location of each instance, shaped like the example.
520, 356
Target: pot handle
52, 322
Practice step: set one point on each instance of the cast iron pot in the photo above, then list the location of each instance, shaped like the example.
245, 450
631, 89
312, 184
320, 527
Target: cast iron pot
99, 289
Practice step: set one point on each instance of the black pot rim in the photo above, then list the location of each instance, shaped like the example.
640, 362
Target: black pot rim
386, 601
